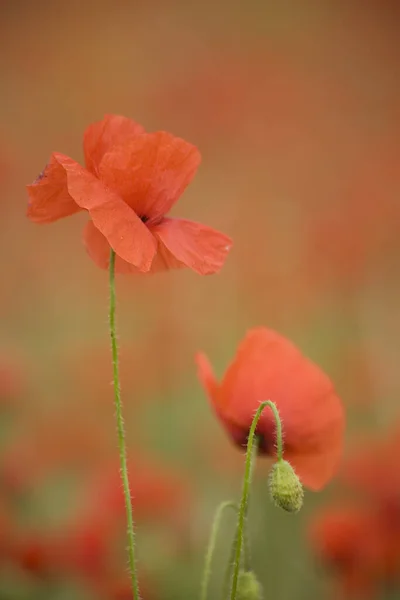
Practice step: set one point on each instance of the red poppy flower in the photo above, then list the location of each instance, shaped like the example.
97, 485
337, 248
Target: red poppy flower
338, 534
269, 367
132, 179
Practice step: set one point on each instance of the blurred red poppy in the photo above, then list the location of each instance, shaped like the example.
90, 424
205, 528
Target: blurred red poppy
336, 533
369, 472
11, 381
158, 492
269, 367
351, 237
35, 554
362, 549
132, 179
120, 588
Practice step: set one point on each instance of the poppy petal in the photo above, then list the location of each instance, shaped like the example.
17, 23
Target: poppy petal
126, 234
206, 375
199, 247
49, 199
101, 136
269, 367
96, 245
150, 172
316, 468
213, 389
164, 260
98, 249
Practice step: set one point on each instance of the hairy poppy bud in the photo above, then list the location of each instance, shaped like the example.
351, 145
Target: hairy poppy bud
248, 587
285, 487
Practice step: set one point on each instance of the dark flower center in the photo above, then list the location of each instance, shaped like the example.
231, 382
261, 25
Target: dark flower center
265, 444
143, 218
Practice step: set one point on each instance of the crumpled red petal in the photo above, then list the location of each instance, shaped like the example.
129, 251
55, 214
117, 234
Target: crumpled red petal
98, 249
101, 136
150, 172
49, 199
199, 247
212, 387
126, 234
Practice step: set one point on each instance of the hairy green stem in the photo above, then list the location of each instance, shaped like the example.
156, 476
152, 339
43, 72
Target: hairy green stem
121, 434
211, 545
252, 446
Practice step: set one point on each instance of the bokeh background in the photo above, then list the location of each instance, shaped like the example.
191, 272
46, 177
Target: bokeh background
295, 109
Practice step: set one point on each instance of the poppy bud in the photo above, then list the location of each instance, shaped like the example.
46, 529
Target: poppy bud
285, 487
248, 587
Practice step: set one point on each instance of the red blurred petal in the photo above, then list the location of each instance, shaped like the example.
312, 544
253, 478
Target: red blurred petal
199, 247
354, 540
368, 470
101, 136
125, 232
338, 532
11, 381
150, 172
206, 376
317, 467
158, 493
49, 198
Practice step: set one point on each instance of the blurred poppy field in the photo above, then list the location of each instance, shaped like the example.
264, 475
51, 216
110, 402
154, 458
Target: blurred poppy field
294, 108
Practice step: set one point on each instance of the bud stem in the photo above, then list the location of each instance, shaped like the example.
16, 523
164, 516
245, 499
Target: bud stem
252, 446
211, 545
278, 423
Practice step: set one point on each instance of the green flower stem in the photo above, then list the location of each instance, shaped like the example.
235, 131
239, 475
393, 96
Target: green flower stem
121, 434
252, 446
211, 545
